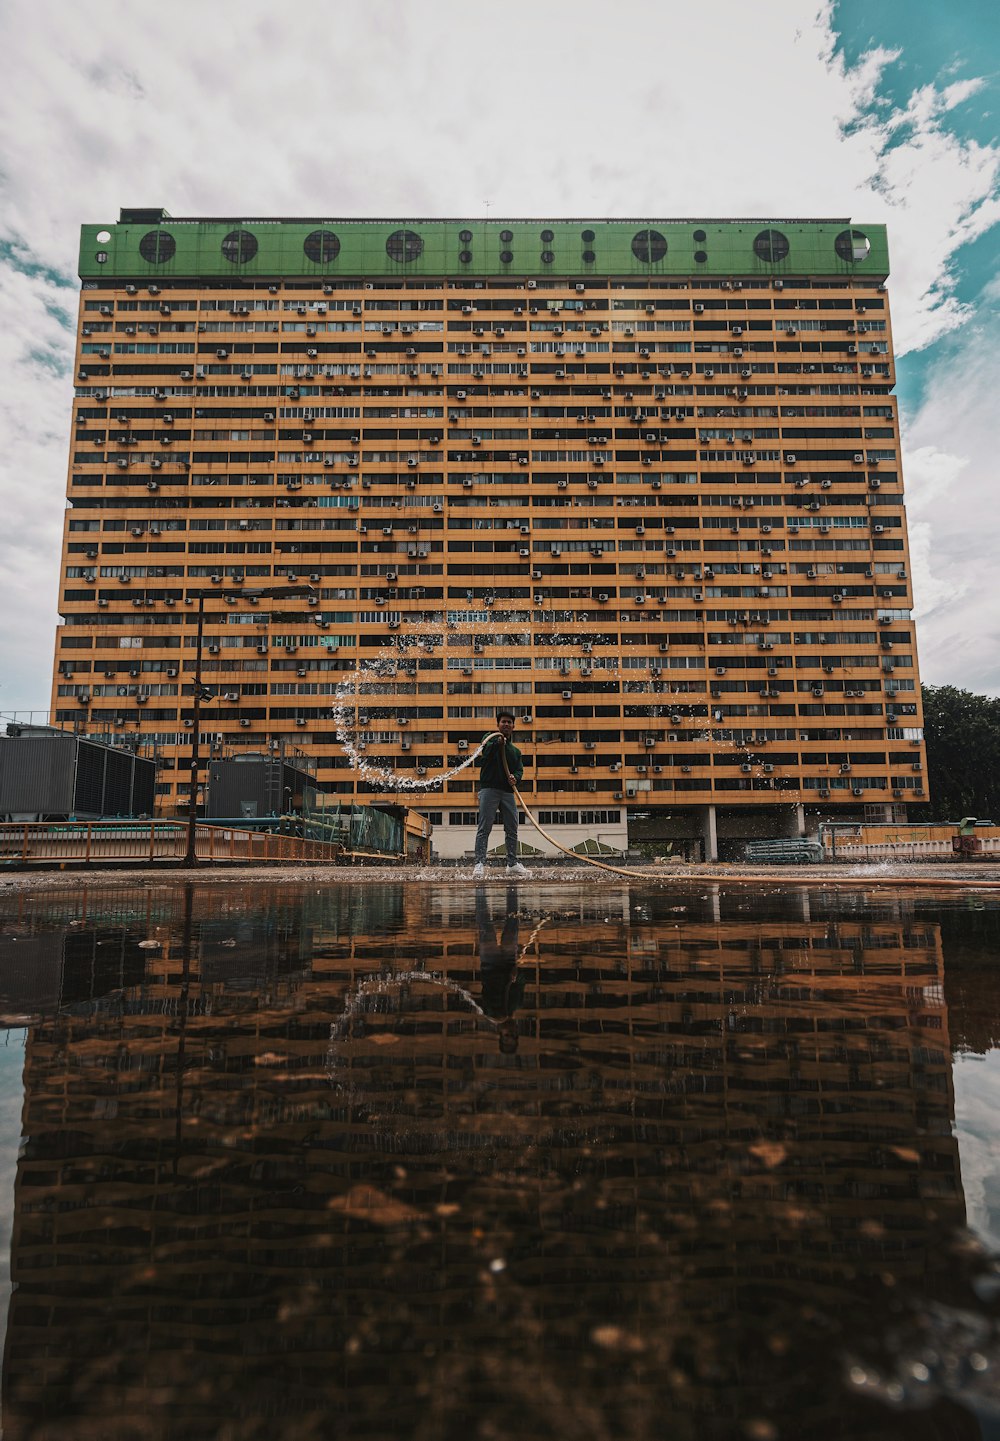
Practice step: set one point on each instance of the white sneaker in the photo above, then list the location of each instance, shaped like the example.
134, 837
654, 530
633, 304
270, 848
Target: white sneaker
478, 871
517, 869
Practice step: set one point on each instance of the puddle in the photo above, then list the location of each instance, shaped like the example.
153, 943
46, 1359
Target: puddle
529, 1161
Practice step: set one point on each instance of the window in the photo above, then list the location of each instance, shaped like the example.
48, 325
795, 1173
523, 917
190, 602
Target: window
322, 246
771, 246
239, 246
649, 246
157, 246
404, 246
852, 245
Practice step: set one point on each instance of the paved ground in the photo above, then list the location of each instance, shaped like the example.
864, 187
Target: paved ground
922, 875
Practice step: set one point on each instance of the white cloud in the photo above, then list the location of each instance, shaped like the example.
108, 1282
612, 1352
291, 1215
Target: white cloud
977, 1092
371, 107
950, 463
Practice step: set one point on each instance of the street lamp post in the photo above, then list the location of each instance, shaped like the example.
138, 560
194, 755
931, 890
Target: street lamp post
202, 693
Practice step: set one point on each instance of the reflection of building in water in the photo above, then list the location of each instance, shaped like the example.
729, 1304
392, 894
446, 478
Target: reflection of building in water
713, 1132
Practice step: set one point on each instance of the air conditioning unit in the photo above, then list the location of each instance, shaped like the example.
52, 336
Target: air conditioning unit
463, 745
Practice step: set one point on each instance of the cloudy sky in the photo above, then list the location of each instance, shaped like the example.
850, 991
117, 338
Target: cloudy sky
886, 113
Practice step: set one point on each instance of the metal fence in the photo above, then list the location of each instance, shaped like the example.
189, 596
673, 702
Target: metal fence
859, 850
138, 842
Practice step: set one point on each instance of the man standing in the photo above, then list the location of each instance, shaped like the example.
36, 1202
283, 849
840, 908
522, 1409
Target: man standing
497, 792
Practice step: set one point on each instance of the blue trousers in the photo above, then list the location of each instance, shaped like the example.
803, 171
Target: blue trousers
489, 800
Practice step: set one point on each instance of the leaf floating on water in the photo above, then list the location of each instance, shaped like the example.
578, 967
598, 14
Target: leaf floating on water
760, 1429
769, 1153
367, 1203
616, 1338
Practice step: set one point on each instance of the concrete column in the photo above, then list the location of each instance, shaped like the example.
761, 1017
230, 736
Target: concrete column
709, 836
797, 820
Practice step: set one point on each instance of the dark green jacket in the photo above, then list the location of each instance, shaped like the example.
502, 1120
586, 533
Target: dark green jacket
491, 771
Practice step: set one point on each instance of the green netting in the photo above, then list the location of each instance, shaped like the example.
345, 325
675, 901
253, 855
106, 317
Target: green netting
357, 827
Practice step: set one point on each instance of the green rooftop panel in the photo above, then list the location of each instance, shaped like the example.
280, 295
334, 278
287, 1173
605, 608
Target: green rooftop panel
148, 245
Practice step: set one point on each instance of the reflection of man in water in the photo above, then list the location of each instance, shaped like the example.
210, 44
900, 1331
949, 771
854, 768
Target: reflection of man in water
503, 981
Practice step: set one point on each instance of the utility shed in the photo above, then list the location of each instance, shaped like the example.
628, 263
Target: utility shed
245, 786
49, 775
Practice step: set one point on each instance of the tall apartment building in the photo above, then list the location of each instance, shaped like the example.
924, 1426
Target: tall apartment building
637, 481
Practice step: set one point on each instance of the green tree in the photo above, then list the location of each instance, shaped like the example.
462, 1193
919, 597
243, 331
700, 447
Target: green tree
962, 731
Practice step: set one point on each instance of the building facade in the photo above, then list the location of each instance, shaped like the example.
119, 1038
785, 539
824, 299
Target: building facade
636, 481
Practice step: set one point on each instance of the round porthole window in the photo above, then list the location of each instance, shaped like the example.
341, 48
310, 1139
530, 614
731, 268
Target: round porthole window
649, 246
589, 256
157, 246
547, 237
239, 246
852, 245
101, 257
321, 246
700, 257
465, 236
771, 246
465, 256
404, 246
506, 256
587, 236
547, 257
506, 236
699, 236
103, 236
